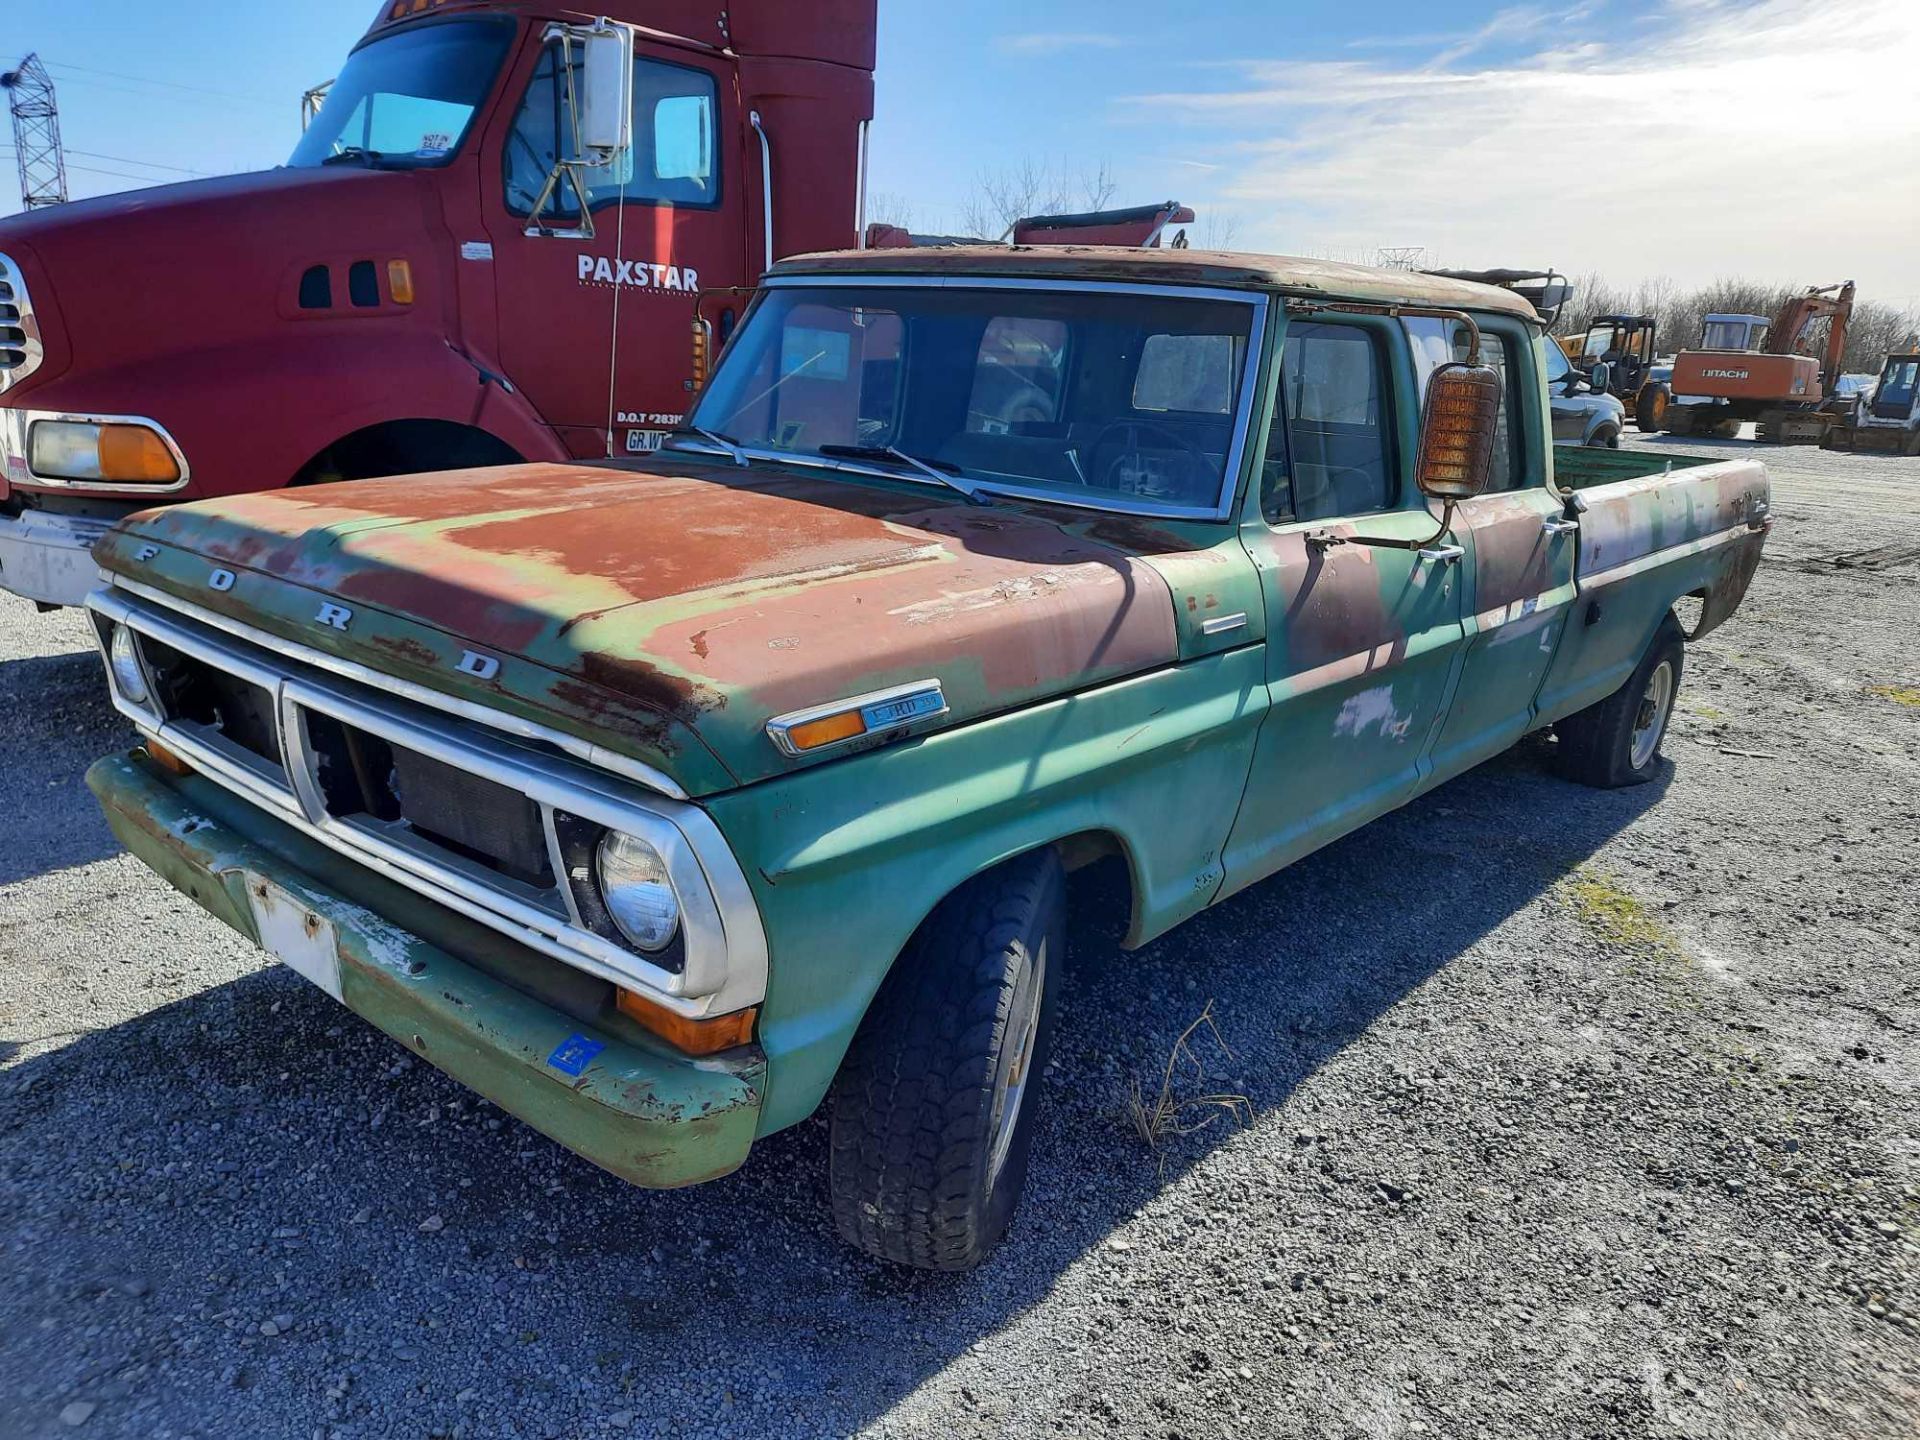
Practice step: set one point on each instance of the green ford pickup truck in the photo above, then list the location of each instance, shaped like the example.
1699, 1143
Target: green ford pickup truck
664, 802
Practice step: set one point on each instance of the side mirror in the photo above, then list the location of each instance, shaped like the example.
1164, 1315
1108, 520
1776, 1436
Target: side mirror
1457, 431
1600, 377
606, 84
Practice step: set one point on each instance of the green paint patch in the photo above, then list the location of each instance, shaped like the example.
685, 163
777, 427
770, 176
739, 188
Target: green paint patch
1614, 915
1908, 695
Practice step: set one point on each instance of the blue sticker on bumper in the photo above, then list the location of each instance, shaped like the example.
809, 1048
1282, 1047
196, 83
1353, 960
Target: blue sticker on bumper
573, 1054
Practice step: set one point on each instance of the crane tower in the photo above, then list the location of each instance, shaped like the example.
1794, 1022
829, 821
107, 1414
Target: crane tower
36, 134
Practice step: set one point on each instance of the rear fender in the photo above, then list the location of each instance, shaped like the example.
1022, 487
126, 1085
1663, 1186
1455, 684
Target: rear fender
1646, 544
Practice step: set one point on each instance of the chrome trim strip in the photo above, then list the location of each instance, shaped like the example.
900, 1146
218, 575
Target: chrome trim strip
766, 181
23, 422
1230, 470
597, 756
726, 950
860, 190
779, 728
32, 347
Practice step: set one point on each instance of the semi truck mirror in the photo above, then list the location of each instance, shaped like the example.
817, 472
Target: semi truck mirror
1457, 431
606, 101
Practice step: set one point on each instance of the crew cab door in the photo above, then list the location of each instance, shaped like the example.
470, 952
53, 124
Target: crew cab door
1361, 640
1521, 550
595, 328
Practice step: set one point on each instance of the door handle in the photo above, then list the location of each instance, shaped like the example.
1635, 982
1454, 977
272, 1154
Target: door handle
1443, 554
1559, 527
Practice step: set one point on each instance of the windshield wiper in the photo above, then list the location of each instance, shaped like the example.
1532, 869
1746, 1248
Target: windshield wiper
943, 471
714, 437
354, 155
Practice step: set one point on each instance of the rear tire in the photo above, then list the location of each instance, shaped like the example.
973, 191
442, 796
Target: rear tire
1617, 741
1607, 437
932, 1112
1650, 409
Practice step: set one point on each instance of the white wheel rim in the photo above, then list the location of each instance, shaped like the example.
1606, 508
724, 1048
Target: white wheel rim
1651, 720
1011, 1091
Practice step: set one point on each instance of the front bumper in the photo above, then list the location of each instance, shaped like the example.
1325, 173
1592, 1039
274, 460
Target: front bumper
49, 557
650, 1116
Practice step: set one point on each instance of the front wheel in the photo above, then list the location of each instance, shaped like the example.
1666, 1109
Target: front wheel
932, 1112
1616, 741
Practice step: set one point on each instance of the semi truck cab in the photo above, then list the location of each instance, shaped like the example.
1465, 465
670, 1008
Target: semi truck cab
463, 263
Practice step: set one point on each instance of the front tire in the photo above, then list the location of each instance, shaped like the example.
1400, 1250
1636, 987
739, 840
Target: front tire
1616, 741
932, 1112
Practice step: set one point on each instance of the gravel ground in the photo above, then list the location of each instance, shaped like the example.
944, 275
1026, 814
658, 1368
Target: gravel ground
1570, 1113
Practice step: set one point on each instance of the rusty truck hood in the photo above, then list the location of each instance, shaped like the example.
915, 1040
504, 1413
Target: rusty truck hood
670, 612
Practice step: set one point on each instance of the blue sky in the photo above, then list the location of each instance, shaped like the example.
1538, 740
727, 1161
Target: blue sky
1633, 137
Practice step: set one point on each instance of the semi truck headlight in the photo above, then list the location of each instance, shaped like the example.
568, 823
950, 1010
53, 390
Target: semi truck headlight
130, 679
101, 452
638, 895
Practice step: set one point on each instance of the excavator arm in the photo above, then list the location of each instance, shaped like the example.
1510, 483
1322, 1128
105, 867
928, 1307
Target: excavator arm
1789, 328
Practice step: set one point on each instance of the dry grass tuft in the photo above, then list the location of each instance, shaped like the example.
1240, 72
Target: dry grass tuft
1168, 1114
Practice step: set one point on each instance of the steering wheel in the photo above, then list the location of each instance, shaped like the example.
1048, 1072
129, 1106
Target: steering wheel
1112, 476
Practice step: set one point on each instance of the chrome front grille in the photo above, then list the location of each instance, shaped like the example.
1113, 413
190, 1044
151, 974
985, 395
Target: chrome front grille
485, 823
20, 348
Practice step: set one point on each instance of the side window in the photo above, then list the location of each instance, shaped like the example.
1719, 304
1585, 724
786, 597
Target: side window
1018, 375
673, 159
1509, 470
1330, 450
1190, 373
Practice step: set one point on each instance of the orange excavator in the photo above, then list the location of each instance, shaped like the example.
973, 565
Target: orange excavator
1735, 377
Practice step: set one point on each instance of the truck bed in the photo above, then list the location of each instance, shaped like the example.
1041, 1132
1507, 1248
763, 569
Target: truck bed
1580, 467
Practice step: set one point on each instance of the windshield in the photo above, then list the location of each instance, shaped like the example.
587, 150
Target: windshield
1127, 401
406, 100
1725, 335
1898, 383
1599, 341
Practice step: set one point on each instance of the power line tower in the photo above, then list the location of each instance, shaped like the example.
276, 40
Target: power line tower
36, 134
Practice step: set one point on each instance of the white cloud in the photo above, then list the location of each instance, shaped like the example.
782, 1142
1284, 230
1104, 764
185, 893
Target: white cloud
1035, 45
1771, 138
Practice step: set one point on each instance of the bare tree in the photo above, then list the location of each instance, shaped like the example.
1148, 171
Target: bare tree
1033, 187
1217, 230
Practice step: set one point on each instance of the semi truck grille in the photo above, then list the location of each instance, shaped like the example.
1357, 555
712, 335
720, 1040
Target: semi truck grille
20, 351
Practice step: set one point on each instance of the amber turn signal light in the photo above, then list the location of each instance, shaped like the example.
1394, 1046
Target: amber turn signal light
827, 730
706, 1036
166, 759
133, 452
400, 282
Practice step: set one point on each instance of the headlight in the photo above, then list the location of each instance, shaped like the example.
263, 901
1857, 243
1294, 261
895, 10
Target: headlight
128, 677
107, 452
634, 884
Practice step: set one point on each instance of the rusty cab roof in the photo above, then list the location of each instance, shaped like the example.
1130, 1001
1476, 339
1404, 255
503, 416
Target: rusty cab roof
1288, 274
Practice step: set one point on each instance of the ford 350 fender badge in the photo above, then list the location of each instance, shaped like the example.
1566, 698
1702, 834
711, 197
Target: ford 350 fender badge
336, 616
481, 667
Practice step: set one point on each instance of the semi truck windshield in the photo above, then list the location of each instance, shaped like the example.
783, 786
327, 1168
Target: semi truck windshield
1125, 401
406, 99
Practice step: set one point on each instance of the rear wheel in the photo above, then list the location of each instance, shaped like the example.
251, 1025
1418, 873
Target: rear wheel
1650, 410
1607, 437
1617, 741
932, 1113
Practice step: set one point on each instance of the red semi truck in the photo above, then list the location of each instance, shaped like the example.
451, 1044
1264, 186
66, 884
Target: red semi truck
486, 247
464, 262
